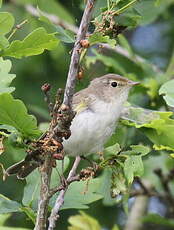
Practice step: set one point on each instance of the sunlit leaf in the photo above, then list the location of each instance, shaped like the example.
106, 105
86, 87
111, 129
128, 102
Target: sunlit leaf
5, 77
6, 22
157, 126
14, 113
97, 37
3, 42
133, 166
83, 222
167, 92
35, 43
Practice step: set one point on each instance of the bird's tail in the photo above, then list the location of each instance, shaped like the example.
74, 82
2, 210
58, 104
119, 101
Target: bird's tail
22, 168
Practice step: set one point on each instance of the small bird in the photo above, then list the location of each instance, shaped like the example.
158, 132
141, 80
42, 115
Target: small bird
97, 108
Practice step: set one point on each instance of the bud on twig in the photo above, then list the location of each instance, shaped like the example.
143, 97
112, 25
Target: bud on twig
85, 43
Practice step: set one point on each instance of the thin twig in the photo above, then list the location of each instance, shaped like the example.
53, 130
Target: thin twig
118, 49
53, 18
138, 210
73, 70
165, 183
17, 28
60, 199
61, 187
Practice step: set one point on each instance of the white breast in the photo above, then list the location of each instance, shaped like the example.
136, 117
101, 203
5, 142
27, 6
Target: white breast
90, 130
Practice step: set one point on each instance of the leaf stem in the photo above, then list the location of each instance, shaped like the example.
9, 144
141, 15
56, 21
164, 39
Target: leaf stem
117, 12
17, 28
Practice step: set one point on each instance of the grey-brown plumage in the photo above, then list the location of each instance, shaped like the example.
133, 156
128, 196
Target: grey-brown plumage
97, 107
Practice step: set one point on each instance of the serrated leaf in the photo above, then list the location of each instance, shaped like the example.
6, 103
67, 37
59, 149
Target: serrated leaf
14, 113
167, 92
65, 35
83, 222
133, 166
112, 150
97, 37
6, 22
157, 126
5, 77
35, 43
8, 206
140, 150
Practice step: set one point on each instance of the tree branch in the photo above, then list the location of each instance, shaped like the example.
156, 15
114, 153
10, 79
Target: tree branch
118, 49
137, 212
42, 212
60, 199
73, 69
53, 18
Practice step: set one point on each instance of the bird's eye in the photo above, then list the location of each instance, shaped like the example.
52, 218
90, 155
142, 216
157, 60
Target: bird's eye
114, 84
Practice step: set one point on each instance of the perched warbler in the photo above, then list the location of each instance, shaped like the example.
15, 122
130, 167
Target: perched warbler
97, 108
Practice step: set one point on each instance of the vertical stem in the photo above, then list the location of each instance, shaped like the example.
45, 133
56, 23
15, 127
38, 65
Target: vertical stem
74, 64
42, 211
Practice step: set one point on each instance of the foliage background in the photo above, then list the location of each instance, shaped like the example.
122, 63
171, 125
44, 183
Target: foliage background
153, 39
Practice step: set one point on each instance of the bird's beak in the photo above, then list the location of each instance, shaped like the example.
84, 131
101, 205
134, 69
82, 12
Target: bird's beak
132, 83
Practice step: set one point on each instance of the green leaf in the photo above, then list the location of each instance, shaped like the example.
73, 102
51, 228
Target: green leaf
167, 91
124, 43
115, 227
65, 35
0, 3
14, 113
30, 213
6, 22
118, 182
139, 150
112, 150
35, 43
108, 61
157, 126
159, 220
3, 42
8, 206
4, 218
149, 10
130, 17
32, 188
105, 188
5, 77
133, 166
83, 222
79, 194
97, 37
55, 7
